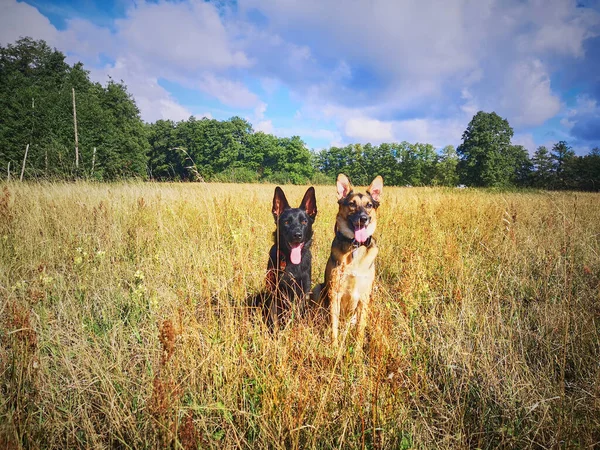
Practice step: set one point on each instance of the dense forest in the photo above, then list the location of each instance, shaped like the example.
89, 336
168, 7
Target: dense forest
55, 123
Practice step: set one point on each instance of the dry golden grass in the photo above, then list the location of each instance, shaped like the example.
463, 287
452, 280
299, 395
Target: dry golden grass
123, 322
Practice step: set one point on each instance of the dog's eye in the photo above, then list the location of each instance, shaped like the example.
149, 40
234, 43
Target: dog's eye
369, 205
286, 222
352, 205
304, 222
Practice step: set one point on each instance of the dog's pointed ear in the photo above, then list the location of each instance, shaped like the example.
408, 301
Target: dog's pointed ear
280, 203
376, 188
343, 186
309, 202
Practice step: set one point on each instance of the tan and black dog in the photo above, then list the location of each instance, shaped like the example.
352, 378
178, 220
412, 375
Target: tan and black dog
350, 270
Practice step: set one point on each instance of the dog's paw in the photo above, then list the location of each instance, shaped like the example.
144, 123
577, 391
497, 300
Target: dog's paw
359, 253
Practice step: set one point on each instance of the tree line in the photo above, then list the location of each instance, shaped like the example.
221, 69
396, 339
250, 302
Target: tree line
43, 99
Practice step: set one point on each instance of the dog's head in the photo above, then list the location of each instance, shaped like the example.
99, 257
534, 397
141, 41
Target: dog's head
357, 216
294, 225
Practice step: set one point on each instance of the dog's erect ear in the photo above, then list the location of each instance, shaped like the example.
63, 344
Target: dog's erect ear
343, 186
280, 203
376, 188
309, 202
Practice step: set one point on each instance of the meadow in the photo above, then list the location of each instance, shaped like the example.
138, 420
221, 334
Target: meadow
123, 322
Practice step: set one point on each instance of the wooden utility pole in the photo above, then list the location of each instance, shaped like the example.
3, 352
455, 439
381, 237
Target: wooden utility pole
75, 125
93, 160
24, 160
8, 178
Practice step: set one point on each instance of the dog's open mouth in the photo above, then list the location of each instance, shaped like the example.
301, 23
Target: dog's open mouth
360, 233
296, 252
360, 230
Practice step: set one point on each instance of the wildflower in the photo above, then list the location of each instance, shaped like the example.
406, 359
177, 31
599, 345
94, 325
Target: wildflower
45, 279
138, 277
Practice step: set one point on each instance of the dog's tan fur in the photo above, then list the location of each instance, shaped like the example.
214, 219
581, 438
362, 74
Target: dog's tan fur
350, 270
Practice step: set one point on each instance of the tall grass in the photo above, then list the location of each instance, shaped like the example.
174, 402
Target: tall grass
123, 322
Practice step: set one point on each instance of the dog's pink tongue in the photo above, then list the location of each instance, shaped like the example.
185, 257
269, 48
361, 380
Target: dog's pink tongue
360, 234
296, 253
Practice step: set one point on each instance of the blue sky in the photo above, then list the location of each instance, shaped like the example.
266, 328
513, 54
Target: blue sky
338, 72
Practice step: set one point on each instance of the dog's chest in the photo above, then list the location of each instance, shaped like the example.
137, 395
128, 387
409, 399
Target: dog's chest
355, 276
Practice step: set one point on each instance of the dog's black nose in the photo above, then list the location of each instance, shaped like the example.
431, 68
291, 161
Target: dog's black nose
364, 218
298, 235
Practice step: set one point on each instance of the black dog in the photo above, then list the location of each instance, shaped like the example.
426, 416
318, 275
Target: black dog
289, 267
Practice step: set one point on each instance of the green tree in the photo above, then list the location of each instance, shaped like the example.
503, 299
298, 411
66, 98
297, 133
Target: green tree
379, 160
589, 171
165, 161
335, 160
31, 74
519, 173
36, 107
124, 147
291, 162
562, 155
487, 158
543, 170
408, 166
446, 174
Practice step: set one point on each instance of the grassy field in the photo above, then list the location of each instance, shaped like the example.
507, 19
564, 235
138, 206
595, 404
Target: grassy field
123, 322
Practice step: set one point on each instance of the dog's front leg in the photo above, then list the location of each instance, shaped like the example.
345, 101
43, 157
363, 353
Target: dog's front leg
274, 314
369, 258
362, 312
336, 301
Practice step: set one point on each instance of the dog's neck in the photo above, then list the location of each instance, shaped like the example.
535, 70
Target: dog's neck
351, 241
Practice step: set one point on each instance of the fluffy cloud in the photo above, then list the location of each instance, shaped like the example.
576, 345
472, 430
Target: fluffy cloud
526, 140
228, 92
437, 132
154, 101
559, 27
266, 126
21, 19
371, 130
185, 36
424, 55
587, 128
528, 98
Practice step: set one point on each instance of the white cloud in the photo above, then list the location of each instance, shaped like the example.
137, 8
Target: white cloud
270, 85
259, 111
85, 41
228, 92
20, 20
526, 140
416, 54
153, 100
528, 99
470, 106
321, 134
438, 132
187, 36
266, 126
366, 129
394, 43
559, 27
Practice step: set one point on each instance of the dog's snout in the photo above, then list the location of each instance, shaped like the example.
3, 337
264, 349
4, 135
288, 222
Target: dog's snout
298, 234
363, 219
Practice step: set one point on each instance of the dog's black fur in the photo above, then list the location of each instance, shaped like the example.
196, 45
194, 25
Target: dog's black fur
289, 280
